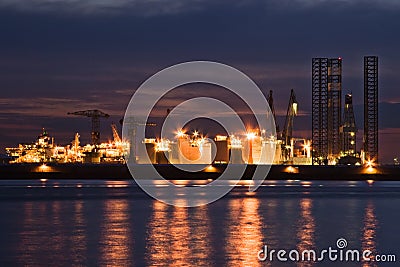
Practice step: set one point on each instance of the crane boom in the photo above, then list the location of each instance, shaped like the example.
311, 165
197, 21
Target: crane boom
290, 114
95, 115
117, 139
270, 100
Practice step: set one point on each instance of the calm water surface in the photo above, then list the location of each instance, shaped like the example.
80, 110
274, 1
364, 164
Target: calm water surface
113, 223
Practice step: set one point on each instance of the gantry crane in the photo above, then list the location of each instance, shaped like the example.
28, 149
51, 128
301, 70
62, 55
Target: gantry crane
95, 115
288, 128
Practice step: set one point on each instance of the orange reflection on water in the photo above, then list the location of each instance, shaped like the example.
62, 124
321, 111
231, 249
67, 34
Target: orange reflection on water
173, 241
179, 235
158, 239
306, 231
115, 240
369, 233
201, 237
244, 235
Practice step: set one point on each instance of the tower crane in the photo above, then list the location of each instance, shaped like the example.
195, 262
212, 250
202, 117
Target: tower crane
95, 115
288, 128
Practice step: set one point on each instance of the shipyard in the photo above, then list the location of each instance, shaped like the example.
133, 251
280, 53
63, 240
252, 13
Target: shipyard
333, 141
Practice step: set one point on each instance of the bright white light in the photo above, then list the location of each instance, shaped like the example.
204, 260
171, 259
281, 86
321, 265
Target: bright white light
251, 135
180, 133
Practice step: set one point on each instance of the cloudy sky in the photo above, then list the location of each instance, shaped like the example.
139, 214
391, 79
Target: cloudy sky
59, 56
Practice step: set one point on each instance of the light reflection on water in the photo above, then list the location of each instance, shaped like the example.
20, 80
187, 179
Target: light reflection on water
111, 226
178, 236
243, 232
369, 232
115, 243
306, 230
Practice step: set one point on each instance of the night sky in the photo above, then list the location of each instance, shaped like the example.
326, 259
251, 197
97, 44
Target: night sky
65, 55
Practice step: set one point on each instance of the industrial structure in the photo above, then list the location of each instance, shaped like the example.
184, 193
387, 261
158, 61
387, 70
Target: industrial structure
326, 108
319, 110
334, 107
95, 115
371, 108
289, 149
332, 138
270, 100
287, 133
132, 124
334, 133
349, 128
44, 149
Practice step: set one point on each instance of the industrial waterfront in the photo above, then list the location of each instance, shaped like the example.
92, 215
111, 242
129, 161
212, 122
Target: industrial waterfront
333, 142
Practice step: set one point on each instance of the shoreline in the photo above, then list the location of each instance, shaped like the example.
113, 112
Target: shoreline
25, 171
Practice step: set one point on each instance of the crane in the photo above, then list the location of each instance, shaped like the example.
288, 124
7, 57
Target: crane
117, 139
95, 115
288, 128
270, 100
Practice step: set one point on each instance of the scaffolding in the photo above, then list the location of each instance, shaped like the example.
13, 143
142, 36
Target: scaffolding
349, 128
371, 108
319, 110
334, 107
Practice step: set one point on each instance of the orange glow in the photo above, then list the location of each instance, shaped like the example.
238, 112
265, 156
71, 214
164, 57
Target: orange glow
368, 239
117, 184
245, 183
291, 169
370, 182
181, 183
210, 169
115, 243
370, 163
44, 168
250, 137
306, 230
244, 237
370, 170
179, 230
